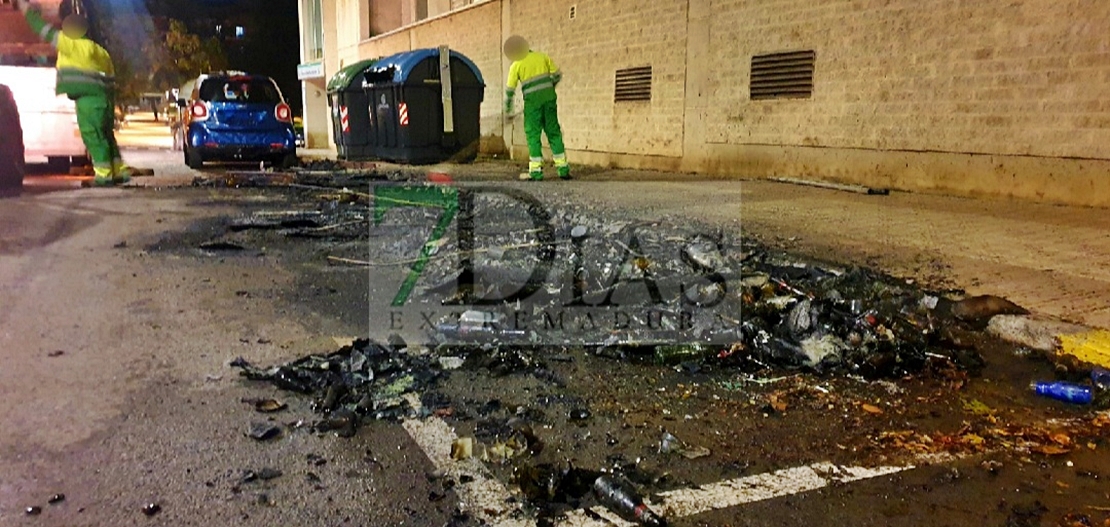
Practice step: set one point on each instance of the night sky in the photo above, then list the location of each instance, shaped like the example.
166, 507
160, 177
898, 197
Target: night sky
271, 45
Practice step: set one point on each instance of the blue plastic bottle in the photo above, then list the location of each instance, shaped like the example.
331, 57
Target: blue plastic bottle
1063, 391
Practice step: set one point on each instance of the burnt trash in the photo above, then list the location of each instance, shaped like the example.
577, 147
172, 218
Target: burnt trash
343, 422
553, 489
220, 246
363, 380
1101, 378
475, 326
674, 354
545, 484
704, 254
805, 315
33, 510
56, 498
579, 414
669, 444
151, 509
265, 405
499, 439
260, 431
264, 474
622, 498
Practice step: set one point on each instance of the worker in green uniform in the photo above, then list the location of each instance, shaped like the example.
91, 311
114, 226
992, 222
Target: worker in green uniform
85, 75
537, 75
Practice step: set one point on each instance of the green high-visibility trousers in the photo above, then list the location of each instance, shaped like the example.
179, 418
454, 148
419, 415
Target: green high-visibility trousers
543, 118
96, 121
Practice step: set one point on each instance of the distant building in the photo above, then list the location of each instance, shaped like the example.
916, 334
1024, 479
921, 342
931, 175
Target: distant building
973, 98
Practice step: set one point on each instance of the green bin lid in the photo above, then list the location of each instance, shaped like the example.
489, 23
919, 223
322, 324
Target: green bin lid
343, 79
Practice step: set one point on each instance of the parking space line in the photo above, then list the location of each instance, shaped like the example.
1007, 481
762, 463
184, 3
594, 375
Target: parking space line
730, 493
485, 497
489, 499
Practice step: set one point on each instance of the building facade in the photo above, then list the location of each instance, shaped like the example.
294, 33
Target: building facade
969, 98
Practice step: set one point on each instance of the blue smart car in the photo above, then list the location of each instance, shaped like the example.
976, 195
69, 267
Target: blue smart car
235, 116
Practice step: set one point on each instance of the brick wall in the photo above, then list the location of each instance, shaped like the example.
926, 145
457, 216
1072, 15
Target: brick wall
474, 32
1020, 78
607, 35
385, 16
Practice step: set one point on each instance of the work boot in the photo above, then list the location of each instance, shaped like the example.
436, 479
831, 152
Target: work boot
562, 167
121, 173
535, 168
103, 177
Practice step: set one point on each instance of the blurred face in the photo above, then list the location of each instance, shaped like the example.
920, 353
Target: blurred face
516, 49
75, 26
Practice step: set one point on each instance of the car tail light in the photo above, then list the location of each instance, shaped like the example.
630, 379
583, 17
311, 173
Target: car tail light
284, 113
199, 111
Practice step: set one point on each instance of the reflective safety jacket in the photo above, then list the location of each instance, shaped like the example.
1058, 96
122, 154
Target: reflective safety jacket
83, 65
536, 74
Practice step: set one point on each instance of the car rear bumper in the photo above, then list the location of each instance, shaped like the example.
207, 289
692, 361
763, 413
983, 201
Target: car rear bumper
245, 153
241, 144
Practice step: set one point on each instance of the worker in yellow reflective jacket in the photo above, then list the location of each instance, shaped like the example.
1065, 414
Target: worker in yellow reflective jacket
536, 75
85, 75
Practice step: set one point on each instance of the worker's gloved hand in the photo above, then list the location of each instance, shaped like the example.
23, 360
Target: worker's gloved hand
509, 107
22, 5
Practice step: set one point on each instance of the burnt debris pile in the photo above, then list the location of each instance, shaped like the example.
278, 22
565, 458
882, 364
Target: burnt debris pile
363, 380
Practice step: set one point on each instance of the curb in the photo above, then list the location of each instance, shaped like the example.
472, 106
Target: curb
1045, 334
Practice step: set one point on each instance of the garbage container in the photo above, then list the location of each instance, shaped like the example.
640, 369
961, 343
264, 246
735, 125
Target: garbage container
407, 122
11, 144
350, 111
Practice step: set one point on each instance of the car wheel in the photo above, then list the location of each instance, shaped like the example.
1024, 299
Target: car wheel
194, 159
58, 165
11, 144
11, 170
288, 161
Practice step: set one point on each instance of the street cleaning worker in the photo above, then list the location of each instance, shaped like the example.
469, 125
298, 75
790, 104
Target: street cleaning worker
537, 75
85, 75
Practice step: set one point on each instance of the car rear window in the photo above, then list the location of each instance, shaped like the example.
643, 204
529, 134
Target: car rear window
246, 90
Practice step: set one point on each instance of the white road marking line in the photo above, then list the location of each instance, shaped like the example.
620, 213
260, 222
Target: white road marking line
579, 518
485, 497
730, 493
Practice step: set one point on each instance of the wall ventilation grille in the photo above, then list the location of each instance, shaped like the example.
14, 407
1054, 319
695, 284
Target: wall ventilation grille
633, 84
782, 75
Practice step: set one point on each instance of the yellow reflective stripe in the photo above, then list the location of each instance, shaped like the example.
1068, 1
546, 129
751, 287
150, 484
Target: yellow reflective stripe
532, 81
84, 77
535, 89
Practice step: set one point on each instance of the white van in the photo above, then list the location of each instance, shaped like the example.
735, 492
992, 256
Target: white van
50, 133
